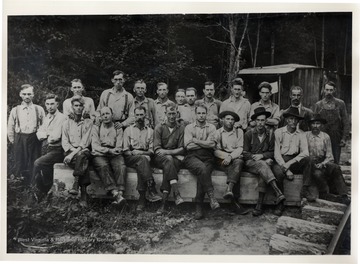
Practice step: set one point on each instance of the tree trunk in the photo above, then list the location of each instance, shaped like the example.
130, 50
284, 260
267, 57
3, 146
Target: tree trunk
232, 58
282, 245
305, 230
322, 42
239, 49
345, 48
272, 48
251, 50
257, 42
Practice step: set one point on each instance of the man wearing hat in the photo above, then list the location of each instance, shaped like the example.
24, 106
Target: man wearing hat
258, 156
228, 151
291, 153
326, 174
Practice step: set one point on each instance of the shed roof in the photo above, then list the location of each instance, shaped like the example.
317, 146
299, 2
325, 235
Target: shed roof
275, 69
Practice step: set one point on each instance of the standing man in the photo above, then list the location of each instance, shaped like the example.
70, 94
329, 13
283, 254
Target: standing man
296, 93
24, 121
228, 152
169, 151
50, 135
187, 111
238, 104
108, 161
118, 99
75, 140
212, 104
337, 126
141, 100
138, 147
291, 154
327, 175
199, 141
265, 101
77, 89
161, 102
258, 154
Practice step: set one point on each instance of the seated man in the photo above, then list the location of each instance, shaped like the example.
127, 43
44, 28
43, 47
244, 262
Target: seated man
108, 161
168, 147
138, 147
76, 137
326, 174
228, 152
258, 156
291, 154
50, 135
199, 140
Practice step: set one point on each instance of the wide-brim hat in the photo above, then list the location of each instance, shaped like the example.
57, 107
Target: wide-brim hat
317, 117
233, 114
293, 111
260, 111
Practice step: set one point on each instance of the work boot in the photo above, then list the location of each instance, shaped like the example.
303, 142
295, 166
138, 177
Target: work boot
165, 196
279, 209
279, 195
119, 199
213, 202
199, 212
307, 194
335, 198
84, 197
178, 199
228, 193
152, 193
258, 210
75, 188
141, 205
239, 209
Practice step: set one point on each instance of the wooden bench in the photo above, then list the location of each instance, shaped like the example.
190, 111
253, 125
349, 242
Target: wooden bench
63, 181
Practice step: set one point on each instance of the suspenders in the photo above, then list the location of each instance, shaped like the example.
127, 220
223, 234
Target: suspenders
126, 110
37, 116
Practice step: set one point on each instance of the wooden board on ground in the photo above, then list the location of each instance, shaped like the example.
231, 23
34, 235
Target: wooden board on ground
321, 215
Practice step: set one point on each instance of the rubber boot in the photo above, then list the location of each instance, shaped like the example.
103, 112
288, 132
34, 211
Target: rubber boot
213, 202
165, 197
229, 193
84, 197
75, 188
259, 206
199, 212
141, 205
279, 195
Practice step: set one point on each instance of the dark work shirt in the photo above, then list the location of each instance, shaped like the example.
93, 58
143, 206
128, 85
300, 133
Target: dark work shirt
165, 139
252, 144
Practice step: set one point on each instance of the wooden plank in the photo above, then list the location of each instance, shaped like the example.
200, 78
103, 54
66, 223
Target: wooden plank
321, 215
305, 230
187, 185
328, 204
283, 245
345, 169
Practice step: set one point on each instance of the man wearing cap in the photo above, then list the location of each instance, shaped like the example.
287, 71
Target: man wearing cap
75, 140
326, 174
296, 94
265, 101
169, 151
238, 104
138, 147
258, 155
118, 99
333, 110
199, 141
291, 154
212, 104
108, 161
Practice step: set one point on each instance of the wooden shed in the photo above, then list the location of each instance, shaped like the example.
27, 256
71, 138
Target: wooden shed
310, 78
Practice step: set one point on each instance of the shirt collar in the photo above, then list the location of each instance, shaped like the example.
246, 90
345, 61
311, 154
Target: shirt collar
54, 115
136, 125
113, 90
145, 100
157, 101
285, 130
24, 105
196, 124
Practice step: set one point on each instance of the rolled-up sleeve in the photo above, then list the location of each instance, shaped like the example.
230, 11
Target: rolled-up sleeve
65, 140
95, 141
277, 153
126, 139
304, 150
240, 144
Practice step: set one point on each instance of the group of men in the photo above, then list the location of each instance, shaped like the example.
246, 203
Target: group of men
199, 135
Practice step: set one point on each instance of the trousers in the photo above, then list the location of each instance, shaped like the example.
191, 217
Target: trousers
261, 168
142, 166
329, 179
80, 164
170, 166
